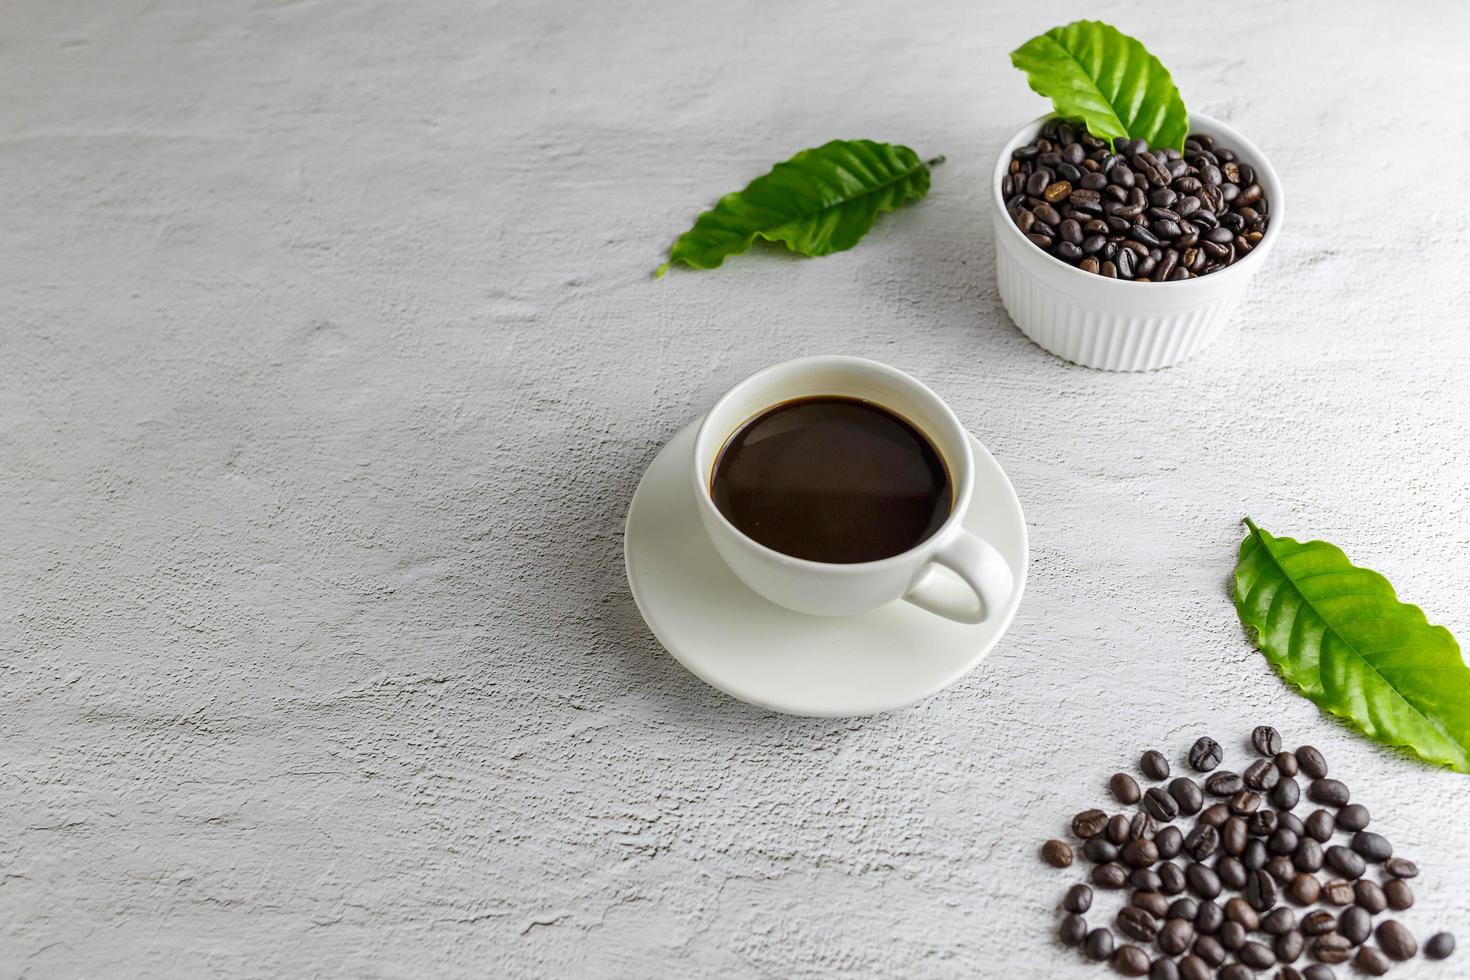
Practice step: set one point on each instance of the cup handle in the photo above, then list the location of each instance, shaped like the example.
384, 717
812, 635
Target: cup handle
979, 566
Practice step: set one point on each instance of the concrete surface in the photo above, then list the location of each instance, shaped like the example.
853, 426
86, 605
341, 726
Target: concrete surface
331, 359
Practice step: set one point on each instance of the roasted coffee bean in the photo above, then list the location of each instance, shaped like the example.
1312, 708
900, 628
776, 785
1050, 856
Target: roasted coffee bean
1202, 880
1099, 944
1089, 264
1345, 862
1126, 263
1071, 231
1291, 822
1260, 891
1254, 856
1279, 921
1110, 876
1136, 923
1332, 948
1304, 889
1100, 850
1169, 841
1439, 946
1370, 895
1283, 843
1182, 908
1266, 740
1089, 823
1130, 961
1286, 794
1154, 765
1163, 197
1175, 937
1401, 868
1309, 855
1146, 167
1330, 792
1142, 235
1215, 815
1233, 836
1079, 899
1318, 972
1396, 941
1224, 783
1191, 967
1319, 826
1187, 794
1244, 802
1371, 961
1209, 918
1286, 763
1257, 956
1352, 817
1314, 766
1141, 826
1239, 910
1057, 854
1355, 924
1261, 775
1117, 830
1041, 241
1231, 871
1140, 853
1202, 841
1397, 894
1146, 878
1280, 868
1171, 878
1208, 948
1231, 936
1318, 923
1236, 971
1056, 190
1045, 212
1152, 902
1289, 946
1160, 805
1204, 755
1122, 175
1093, 244
1086, 199
1072, 930
1038, 182
1069, 252
1373, 847
1262, 823
1339, 893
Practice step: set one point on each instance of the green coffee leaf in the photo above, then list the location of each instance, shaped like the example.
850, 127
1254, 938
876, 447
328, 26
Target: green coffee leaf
1093, 71
822, 200
1339, 634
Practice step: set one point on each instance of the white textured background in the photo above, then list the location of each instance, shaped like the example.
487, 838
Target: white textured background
329, 359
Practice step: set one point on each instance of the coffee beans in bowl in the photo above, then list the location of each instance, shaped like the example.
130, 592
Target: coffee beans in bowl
1110, 273
1128, 212
1229, 894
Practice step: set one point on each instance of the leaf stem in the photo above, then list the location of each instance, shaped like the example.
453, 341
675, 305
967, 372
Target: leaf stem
935, 162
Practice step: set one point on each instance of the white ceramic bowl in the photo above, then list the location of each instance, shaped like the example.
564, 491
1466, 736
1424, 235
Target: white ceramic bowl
1113, 324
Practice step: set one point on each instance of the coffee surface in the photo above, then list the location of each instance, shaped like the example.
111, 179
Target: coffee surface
832, 479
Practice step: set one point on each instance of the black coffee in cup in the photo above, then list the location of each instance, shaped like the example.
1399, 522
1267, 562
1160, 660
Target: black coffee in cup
832, 479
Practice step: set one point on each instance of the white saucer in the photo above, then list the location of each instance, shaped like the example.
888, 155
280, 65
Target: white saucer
756, 651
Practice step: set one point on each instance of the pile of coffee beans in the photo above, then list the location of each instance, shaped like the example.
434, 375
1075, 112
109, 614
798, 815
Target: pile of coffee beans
1225, 881
1133, 213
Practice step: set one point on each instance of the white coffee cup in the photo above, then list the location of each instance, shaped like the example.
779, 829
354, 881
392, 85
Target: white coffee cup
831, 589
